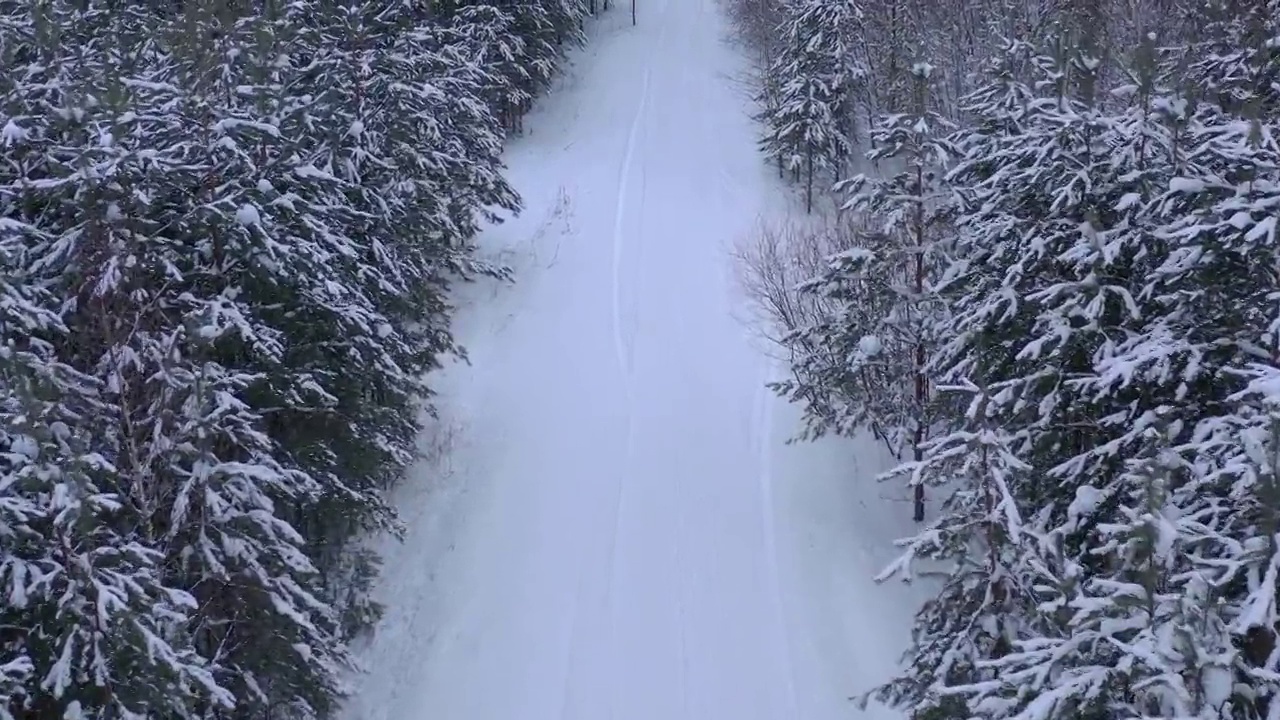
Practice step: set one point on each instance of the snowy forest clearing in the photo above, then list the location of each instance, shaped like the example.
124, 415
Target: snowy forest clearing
623, 531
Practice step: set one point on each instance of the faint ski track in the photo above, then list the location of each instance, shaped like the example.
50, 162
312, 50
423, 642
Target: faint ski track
619, 346
620, 212
764, 459
681, 609
620, 350
621, 355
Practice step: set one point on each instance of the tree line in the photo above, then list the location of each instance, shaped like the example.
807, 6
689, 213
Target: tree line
1050, 286
227, 236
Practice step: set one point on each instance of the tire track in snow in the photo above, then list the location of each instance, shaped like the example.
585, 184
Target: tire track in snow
764, 459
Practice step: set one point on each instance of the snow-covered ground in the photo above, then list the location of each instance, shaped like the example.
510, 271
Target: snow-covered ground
615, 527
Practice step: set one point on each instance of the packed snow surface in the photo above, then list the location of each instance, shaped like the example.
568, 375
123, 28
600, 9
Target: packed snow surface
614, 527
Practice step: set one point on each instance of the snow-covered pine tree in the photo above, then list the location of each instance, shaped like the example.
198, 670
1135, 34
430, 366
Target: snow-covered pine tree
807, 122
544, 26
89, 616
1133, 627
1231, 60
862, 366
179, 304
400, 129
1237, 458
1052, 296
565, 18
307, 273
216, 272
487, 34
88, 626
1143, 628
990, 555
91, 603
228, 208
1045, 256
1221, 340
469, 138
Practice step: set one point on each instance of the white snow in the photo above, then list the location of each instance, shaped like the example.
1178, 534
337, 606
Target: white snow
248, 216
922, 69
1087, 499
1217, 682
12, 133
612, 525
1186, 185
870, 345
24, 445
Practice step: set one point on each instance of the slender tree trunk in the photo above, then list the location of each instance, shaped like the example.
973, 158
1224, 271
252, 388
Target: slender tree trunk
921, 382
808, 185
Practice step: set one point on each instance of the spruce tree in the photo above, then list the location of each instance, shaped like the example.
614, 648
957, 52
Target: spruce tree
92, 603
1056, 238
992, 556
806, 125
487, 34
867, 367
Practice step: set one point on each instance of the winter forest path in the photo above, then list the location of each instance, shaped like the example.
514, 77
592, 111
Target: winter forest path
612, 545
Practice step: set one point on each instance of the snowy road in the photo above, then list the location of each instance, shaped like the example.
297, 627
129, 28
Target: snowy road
613, 549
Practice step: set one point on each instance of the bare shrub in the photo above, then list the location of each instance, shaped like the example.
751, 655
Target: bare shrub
755, 23
755, 26
773, 262
772, 267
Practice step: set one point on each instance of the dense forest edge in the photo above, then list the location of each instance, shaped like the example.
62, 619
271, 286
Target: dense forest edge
1040, 266
228, 231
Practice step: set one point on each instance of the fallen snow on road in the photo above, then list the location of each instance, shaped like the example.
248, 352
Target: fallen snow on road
614, 526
